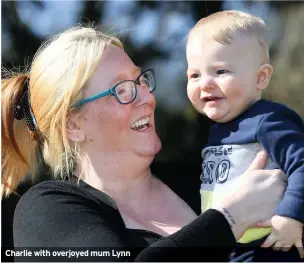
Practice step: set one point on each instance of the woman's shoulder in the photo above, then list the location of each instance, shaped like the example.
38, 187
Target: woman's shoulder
59, 196
51, 211
52, 186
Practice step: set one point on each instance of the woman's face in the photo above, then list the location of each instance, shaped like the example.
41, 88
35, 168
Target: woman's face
109, 126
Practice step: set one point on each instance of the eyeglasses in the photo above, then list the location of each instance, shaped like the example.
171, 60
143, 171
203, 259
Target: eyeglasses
125, 91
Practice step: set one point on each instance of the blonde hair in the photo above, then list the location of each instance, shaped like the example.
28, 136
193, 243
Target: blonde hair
223, 27
59, 71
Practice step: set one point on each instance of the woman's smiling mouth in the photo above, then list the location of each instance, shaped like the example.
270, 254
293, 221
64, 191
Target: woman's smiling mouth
141, 124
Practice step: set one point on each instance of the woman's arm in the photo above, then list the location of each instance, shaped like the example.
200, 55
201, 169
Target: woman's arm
56, 215
207, 238
50, 215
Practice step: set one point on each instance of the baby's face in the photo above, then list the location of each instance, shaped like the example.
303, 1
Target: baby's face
222, 79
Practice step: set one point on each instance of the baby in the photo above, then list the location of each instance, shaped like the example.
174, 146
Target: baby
228, 68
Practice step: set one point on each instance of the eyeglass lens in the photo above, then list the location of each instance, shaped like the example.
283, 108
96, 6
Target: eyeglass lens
126, 91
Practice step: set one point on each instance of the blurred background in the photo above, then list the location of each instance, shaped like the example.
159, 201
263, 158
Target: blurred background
154, 34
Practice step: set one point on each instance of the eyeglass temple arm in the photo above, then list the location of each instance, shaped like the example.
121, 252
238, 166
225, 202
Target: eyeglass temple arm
95, 97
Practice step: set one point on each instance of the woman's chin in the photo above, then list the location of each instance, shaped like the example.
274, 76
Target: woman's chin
150, 149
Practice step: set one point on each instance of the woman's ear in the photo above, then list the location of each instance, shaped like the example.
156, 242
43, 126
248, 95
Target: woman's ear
74, 132
264, 76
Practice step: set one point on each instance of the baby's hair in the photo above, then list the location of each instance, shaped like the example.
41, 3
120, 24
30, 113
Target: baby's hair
223, 27
36, 104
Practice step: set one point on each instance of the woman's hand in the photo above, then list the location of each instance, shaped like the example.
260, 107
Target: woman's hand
253, 197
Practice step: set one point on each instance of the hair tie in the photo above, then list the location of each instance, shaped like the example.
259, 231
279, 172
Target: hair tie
23, 109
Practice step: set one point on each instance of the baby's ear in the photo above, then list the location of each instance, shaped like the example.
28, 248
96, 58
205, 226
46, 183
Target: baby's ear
264, 76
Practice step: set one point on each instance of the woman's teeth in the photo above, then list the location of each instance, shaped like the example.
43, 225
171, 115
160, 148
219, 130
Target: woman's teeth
140, 124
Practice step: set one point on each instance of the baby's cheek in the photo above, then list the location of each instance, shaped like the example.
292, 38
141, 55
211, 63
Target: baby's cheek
235, 95
238, 101
237, 88
193, 93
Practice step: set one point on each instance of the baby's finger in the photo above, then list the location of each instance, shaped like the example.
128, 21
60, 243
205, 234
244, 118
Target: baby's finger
271, 239
299, 246
286, 247
277, 246
265, 223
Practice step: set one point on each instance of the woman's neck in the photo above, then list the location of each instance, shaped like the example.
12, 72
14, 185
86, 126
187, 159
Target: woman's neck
128, 183
144, 201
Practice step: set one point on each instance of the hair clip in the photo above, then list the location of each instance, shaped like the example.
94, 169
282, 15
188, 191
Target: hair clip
23, 109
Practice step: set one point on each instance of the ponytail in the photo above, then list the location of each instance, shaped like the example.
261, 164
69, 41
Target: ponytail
58, 73
18, 145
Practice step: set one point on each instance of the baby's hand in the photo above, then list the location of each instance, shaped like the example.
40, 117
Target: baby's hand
286, 232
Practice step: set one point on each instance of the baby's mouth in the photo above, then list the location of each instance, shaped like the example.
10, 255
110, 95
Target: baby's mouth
207, 99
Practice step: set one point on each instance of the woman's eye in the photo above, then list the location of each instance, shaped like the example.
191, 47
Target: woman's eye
222, 71
121, 91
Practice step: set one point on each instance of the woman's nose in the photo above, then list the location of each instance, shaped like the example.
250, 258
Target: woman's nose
144, 96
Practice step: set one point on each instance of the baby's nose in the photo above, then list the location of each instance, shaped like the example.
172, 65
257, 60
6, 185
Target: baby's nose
207, 83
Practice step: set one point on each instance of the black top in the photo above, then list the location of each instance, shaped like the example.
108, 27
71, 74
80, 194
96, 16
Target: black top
63, 214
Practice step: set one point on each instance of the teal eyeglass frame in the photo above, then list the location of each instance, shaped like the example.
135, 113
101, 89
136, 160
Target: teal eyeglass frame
112, 91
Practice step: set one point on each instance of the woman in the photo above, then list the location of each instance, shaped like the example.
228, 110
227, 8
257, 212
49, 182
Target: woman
90, 111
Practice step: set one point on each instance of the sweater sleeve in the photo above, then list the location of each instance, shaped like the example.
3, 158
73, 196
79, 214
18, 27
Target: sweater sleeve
57, 218
210, 231
281, 133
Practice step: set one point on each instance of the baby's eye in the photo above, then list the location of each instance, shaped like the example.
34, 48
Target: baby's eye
222, 71
194, 76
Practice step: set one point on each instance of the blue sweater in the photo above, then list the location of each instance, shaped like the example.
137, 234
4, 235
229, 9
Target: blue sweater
280, 131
